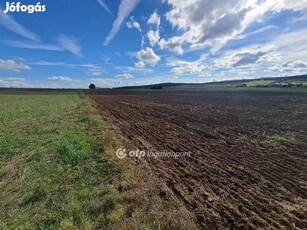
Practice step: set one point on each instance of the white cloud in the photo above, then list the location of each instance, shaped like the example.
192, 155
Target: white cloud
140, 70
130, 54
35, 45
153, 37
259, 31
285, 54
243, 57
147, 56
13, 79
12, 82
64, 43
10, 24
133, 24
125, 8
69, 44
87, 65
292, 45
12, 65
181, 66
186, 67
89, 68
62, 79
297, 64
135, 69
123, 76
203, 23
285, 49
154, 19
104, 82
95, 72
290, 66
104, 6
92, 69
140, 64
173, 44
301, 18
47, 63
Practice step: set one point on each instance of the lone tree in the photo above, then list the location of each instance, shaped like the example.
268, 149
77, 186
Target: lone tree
92, 86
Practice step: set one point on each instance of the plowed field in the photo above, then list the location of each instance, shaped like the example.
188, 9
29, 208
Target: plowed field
248, 164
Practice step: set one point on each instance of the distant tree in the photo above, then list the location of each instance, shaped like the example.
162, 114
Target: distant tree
92, 86
156, 87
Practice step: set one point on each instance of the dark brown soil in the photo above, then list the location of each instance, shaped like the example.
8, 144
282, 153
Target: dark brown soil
237, 177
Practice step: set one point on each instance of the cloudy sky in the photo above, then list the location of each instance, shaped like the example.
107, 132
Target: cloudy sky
130, 42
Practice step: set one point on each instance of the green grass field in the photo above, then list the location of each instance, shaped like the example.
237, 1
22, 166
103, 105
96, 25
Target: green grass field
54, 173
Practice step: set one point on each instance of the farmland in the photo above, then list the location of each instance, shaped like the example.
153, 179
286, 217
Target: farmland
57, 169
153, 115
246, 168
248, 161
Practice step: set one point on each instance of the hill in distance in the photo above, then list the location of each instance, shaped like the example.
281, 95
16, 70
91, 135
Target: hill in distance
273, 83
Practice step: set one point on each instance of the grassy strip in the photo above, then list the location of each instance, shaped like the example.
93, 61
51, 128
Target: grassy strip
53, 172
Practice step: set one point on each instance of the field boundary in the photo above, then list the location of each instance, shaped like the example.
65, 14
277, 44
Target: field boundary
146, 201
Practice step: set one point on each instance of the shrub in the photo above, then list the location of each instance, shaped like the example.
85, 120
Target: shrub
92, 86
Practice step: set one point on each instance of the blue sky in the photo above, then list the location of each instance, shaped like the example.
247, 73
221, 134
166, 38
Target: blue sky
134, 42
